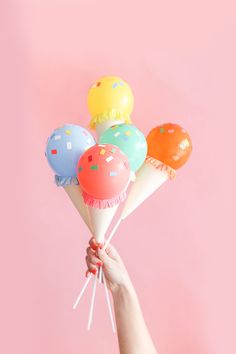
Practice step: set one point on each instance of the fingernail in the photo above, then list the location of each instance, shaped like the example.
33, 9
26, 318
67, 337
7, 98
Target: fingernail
100, 245
86, 274
99, 264
94, 271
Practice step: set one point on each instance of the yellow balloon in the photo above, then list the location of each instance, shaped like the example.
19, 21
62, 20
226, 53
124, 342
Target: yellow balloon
110, 98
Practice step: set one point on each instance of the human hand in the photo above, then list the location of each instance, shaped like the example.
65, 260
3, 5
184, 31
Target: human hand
112, 265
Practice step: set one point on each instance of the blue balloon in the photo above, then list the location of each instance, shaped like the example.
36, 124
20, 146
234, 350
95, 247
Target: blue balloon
65, 147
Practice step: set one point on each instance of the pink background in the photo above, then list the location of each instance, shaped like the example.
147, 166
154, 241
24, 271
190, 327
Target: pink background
179, 247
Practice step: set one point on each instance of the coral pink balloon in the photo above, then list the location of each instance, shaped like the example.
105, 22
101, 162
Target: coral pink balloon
103, 171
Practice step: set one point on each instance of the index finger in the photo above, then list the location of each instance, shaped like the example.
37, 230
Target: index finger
93, 244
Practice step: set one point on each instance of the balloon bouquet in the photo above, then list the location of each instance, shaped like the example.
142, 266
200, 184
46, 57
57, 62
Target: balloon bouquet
96, 175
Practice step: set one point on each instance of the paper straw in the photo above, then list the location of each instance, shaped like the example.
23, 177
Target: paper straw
109, 304
112, 233
92, 303
82, 291
100, 275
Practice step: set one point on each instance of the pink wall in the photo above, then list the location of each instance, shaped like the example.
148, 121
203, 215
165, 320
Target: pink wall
179, 57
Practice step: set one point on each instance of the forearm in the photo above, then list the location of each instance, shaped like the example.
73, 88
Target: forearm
133, 334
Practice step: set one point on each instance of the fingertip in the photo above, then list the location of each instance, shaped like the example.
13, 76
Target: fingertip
93, 244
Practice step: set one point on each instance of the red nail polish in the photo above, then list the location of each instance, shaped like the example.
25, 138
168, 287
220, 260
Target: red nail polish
94, 271
100, 245
99, 264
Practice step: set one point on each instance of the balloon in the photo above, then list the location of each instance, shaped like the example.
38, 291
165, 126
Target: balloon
169, 143
130, 140
64, 148
103, 173
110, 98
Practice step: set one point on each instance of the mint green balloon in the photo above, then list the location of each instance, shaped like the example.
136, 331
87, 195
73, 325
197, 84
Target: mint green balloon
130, 140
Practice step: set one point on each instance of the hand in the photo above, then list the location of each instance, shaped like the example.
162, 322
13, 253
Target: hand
112, 265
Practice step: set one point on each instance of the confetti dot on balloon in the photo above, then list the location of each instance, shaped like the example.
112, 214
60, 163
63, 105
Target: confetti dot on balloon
113, 173
57, 137
53, 152
90, 158
109, 158
69, 145
162, 130
98, 84
102, 152
171, 131
102, 145
128, 133
117, 134
80, 169
175, 157
184, 144
68, 132
125, 138
115, 85
113, 150
94, 167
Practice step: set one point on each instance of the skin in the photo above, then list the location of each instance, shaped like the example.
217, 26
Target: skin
133, 335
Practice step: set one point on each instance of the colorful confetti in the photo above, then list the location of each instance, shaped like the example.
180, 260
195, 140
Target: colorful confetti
102, 145
57, 137
53, 152
68, 132
184, 144
69, 145
115, 85
98, 84
109, 158
80, 169
171, 131
175, 157
113, 150
128, 133
117, 134
102, 152
113, 173
162, 130
94, 167
90, 158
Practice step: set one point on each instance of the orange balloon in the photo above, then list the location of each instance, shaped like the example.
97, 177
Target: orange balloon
170, 144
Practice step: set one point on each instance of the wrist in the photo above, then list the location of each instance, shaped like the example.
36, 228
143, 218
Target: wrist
123, 289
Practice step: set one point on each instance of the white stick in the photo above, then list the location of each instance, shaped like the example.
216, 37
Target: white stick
109, 304
112, 233
92, 303
100, 275
82, 291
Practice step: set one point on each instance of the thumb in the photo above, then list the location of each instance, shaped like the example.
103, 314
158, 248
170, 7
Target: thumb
103, 256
